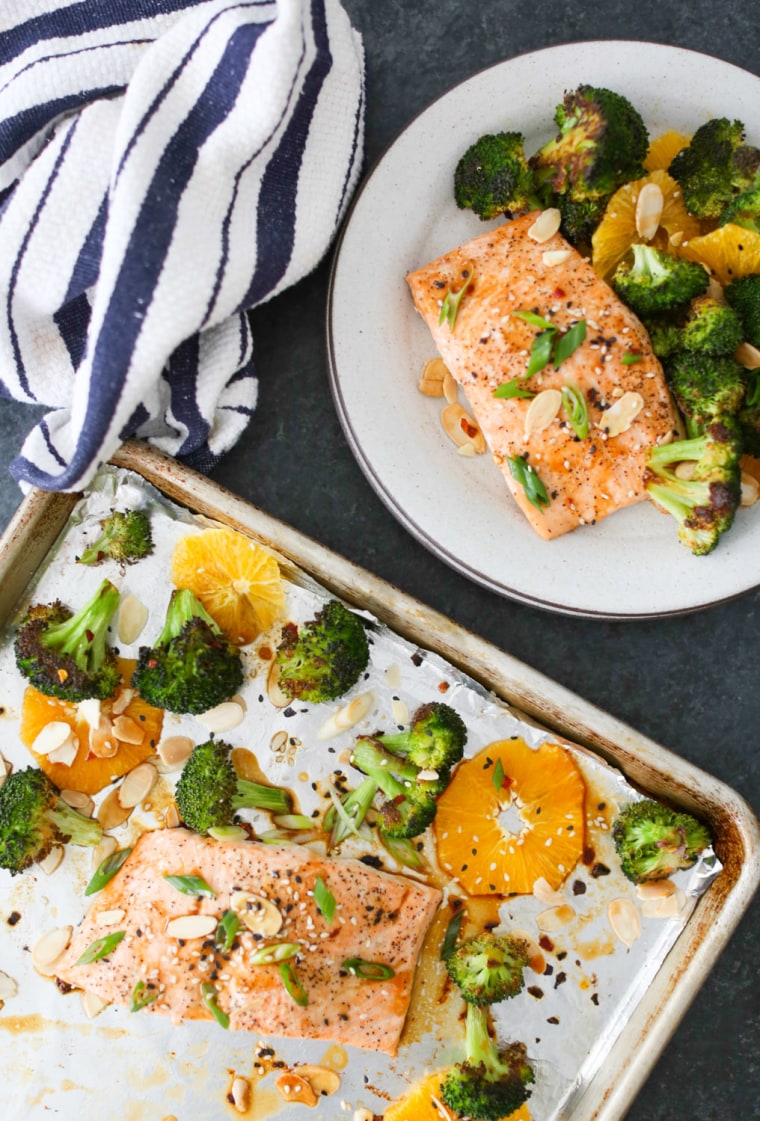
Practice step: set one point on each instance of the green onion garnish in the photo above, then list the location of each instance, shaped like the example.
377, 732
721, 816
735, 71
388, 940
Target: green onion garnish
191, 885
526, 476
106, 870
142, 996
209, 994
568, 342
293, 986
574, 404
226, 931
369, 970
630, 358
275, 952
325, 900
100, 948
550, 344
497, 778
451, 302
513, 388
452, 934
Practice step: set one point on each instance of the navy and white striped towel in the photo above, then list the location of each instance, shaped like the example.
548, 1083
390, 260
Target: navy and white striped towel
164, 165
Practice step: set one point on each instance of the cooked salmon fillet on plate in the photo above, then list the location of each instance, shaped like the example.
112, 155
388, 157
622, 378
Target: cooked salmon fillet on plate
167, 951
485, 345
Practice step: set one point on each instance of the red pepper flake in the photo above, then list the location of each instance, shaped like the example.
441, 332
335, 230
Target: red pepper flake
558, 293
443, 686
468, 428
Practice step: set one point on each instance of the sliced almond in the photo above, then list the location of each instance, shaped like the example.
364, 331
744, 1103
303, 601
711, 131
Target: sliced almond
78, 801
668, 907
655, 889
399, 711
107, 847
223, 717
103, 741
686, 469
174, 751
748, 356
66, 753
649, 206
112, 917
625, 920
8, 987
137, 785
432, 377
542, 410
133, 615
128, 730
122, 700
5, 768
274, 692
50, 946
172, 820
89, 711
292, 1088
460, 427
555, 918
749, 489
191, 926
347, 716
620, 416
546, 225
52, 736
259, 914
52, 861
554, 257
323, 1080
240, 1092
545, 893
392, 675
93, 1004
450, 388
111, 813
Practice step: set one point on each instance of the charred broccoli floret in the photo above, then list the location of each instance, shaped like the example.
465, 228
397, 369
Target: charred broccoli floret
66, 655
409, 805
715, 167
655, 282
209, 793
706, 388
711, 327
664, 335
435, 738
704, 503
125, 536
33, 818
601, 144
653, 841
192, 666
325, 657
488, 967
749, 414
743, 294
492, 1082
493, 177
580, 217
744, 209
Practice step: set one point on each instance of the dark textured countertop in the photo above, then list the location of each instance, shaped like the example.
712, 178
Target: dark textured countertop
689, 682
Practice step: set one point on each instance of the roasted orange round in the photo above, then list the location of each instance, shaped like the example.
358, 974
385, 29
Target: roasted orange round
423, 1103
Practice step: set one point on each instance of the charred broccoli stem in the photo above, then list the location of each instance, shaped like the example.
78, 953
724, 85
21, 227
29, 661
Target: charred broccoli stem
656, 282
325, 657
209, 793
488, 967
705, 501
435, 738
493, 177
125, 536
653, 841
66, 655
192, 666
715, 167
492, 1082
33, 818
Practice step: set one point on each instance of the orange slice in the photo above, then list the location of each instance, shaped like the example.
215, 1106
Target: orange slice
616, 232
423, 1104
88, 773
236, 580
663, 148
728, 252
510, 816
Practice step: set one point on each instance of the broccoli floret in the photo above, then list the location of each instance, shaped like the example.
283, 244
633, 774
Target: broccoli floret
664, 335
488, 967
749, 414
743, 294
715, 167
323, 659
655, 282
601, 144
208, 791
492, 1082
705, 388
192, 666
33, 818
410, 804
124, 537
66, 655
704, 503
493, 177
435, 739
653, 841
712, 327
580, 217
744, 209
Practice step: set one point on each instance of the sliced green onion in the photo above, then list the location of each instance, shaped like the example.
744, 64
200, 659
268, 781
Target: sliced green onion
497, 778
630, 358
527, 477
228, 833
452, 934
275, 952
350, 822
535, 320
752, 400
403, 850
210, 996
568, 342
226, 931
513, 388
451, 302
369, 970
325, 900
574, 404
100, 948
106, 870
142, 996
190, 885
541, 352
293, 986
293, 821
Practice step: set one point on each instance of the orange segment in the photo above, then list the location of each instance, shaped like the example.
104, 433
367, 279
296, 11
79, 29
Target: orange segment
500, 841
616, 232
236, 580
87, 773
728, 252
423, 1104
663, 148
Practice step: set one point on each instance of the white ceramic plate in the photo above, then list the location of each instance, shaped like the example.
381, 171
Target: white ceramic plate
629, 566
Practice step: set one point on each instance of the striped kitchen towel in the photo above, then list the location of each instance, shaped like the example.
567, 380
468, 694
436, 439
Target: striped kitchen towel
164, 166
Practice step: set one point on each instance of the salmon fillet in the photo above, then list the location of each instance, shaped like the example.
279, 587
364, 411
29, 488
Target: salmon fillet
378, 917
585, 479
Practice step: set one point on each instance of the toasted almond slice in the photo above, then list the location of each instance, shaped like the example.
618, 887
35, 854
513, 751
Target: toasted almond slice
103, 741
259, 914
112, 917
625, 920
347, 716
274, 692
223, 717
5, 768
542, 410
749, 489
554, 257
432, 377
293, 1088
685, 469
655, 889
8, 987
66, 753
122, 700
460, 427
667, 907
53, 735
450, 388
133, 615
748, 356
174, 751
323, 1080
172, 820
545, 893
240, 1092
89, 711
649, 206
107, 847
111, 813
78, 801
93, 1004
546, 225
620, 416
676, 238
191, 926
50, 946
555, 918
128, 730
52, 861
399, 711
137, 785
